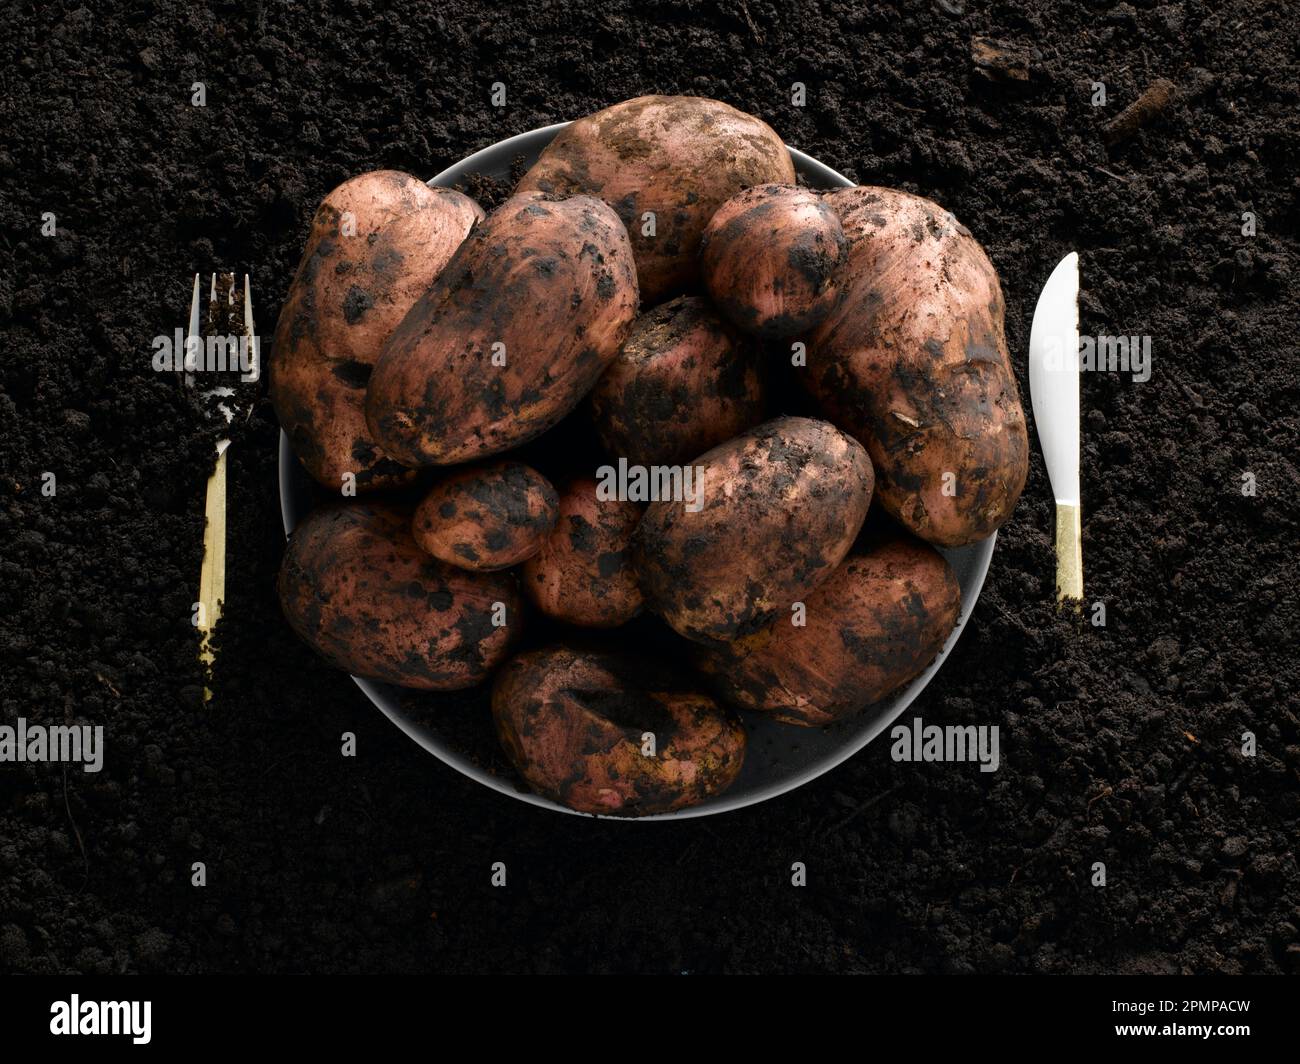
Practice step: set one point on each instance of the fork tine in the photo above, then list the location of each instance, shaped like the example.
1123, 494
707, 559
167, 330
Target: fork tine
194, 309
254, 348
192, 333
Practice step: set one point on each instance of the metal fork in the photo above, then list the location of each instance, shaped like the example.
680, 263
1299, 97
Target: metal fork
222, 393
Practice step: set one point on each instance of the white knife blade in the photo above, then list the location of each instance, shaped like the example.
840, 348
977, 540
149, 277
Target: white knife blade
1054, 377
1054, 395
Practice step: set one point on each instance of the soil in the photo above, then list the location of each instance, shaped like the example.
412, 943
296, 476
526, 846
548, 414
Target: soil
1120, 744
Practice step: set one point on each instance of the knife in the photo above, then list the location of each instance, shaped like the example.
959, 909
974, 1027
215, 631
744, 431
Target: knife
1054, 394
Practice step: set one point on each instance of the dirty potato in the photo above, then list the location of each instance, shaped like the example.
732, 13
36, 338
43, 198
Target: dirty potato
913, 362
873, 626
771, 258
583, 573
683, 383
523, 321
777, 509
487, 517
356, 587
377, 243
608, 734
666, 164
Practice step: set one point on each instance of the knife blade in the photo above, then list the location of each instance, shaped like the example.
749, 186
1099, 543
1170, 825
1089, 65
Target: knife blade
1054, 395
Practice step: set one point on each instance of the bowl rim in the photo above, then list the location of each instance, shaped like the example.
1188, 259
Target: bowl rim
980, 559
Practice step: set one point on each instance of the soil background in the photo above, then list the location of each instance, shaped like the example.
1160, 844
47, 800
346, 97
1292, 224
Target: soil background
1121, 744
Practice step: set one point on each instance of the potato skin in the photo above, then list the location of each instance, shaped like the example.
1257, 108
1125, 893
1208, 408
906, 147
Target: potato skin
551, 280
683, 382
782, 505
349, 294
770, 258
572, 724
875, 624
354, 585
680, 157
583, 572
487, 517
913, 362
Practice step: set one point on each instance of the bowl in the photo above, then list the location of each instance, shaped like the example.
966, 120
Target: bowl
779, 757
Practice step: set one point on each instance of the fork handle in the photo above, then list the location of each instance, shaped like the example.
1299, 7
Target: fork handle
212, 577
1069, 554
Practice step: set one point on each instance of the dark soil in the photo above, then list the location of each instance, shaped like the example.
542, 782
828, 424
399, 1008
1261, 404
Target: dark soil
1120, 744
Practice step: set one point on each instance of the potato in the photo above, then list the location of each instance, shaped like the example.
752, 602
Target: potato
781, 507
487, 517
575, 727
771, 258
874, 625
512, 335
682, 383
913, 362
376, 244
676, 158
583, 574
355, 586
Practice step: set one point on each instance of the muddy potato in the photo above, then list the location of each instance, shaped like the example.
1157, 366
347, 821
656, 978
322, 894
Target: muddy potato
675, 158
583, 573
376, 244
487, 517
873, 626
770, 259
523, 321
355, 586
575, 727
913, 362
780, 508
683, 382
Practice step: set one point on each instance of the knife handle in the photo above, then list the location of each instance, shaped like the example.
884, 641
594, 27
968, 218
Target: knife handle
1069, 553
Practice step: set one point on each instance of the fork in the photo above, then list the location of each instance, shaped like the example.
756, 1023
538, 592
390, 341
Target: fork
230, 396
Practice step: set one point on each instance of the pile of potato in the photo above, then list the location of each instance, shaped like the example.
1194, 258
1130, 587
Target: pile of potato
647, 279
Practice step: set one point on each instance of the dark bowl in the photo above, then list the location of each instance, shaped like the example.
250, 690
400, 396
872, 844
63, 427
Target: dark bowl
456, 729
